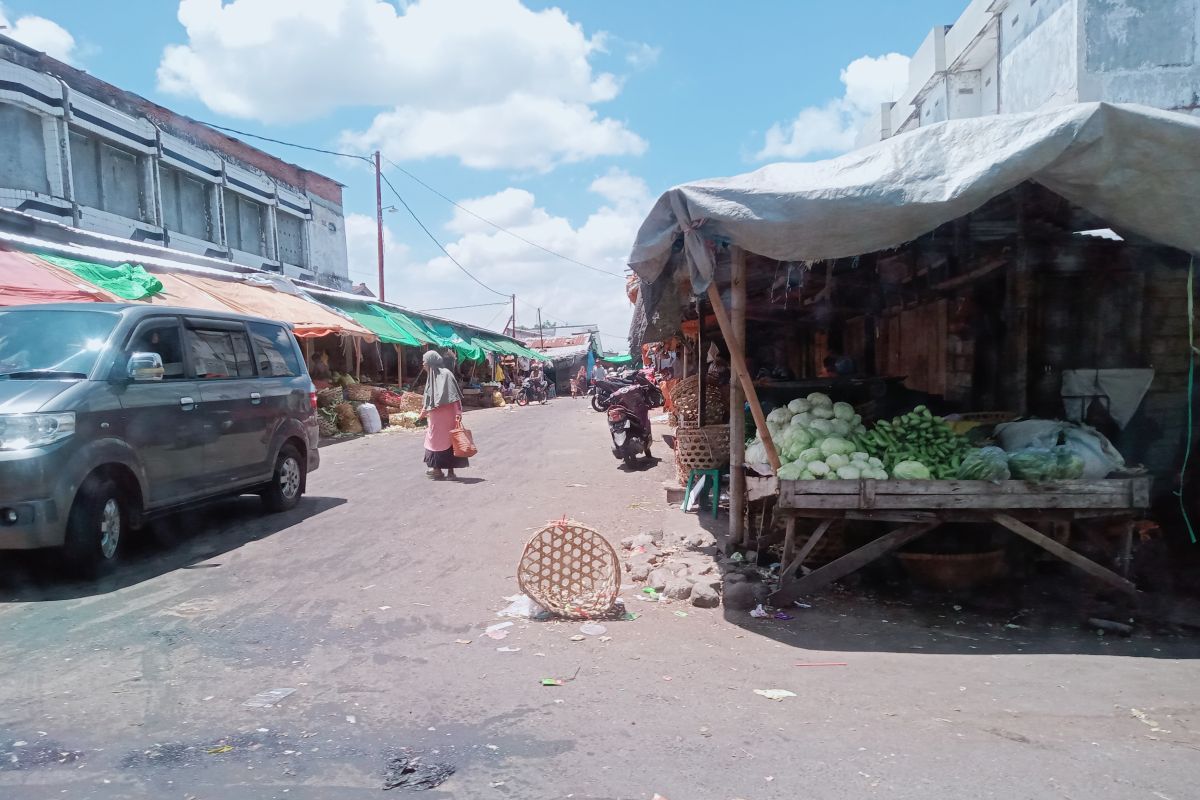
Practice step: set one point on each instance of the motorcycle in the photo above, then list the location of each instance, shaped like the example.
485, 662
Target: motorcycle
629, 420
602, 390
531, 391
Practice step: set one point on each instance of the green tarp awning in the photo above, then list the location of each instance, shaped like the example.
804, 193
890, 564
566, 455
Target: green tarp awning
625, 359
128, 281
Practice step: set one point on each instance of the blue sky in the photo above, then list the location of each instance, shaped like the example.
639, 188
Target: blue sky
564, 126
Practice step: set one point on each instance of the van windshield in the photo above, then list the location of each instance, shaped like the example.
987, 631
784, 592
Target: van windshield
52, 343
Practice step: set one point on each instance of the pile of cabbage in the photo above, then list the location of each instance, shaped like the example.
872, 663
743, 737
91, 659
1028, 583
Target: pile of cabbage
817, 439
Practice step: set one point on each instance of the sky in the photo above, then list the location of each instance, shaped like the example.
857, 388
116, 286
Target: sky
560, 123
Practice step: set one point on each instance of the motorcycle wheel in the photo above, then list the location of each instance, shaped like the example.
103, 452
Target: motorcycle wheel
522, 400
598, 404
544, 399
631, 461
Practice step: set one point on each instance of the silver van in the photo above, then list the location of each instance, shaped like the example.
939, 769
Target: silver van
111, 414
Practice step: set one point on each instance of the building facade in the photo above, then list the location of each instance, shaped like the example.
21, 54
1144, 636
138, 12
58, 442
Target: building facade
79, 151
1009, 56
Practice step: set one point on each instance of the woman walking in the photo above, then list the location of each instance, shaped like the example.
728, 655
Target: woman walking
579, 382
443, 408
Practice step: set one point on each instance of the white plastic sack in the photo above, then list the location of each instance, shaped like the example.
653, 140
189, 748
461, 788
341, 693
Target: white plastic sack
524, 607
1098, 454
368, 415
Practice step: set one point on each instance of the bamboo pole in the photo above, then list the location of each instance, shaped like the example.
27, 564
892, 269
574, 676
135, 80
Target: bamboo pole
738, 360
737, 400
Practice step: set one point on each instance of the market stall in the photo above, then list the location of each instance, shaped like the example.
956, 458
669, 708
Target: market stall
991, 269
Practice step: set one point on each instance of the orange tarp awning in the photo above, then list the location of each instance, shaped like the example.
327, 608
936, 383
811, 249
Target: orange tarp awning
308, 319
26, 279
177, 292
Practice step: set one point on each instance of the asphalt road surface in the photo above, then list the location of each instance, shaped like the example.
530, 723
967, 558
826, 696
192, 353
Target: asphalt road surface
134, 687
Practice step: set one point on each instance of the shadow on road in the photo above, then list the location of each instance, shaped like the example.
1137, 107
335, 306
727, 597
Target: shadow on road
178, 541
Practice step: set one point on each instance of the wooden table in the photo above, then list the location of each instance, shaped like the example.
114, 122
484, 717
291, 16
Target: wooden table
920, 506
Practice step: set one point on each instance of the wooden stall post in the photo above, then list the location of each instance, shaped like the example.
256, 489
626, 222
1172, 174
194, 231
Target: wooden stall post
399, 365
738, 360
738, 530
1018, 293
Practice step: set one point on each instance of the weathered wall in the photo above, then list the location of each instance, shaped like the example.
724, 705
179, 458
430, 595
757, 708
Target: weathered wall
1142, 51
327, 238
1039, 47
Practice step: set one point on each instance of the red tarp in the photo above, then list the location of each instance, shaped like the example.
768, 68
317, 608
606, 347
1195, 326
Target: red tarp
26, 279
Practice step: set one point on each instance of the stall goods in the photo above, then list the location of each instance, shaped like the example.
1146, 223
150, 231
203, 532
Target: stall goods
327, 421
818, 438
921, 438
347, 418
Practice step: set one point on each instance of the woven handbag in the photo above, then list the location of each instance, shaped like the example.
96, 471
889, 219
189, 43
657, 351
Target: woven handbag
462, 441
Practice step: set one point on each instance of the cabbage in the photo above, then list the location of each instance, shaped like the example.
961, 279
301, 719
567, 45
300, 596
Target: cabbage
810, 455
837, 461
875, 462
911, 471
780, 416
803, 418
849, 473
807, 476
821, 427
875, 473
840, 427
985, 464
1070, 464
790, 472
843, 411
819, 399
1033, 464
856, 420
799, 406
859, 455
822, 412
795, 440
818, 469
756, 452
836, 444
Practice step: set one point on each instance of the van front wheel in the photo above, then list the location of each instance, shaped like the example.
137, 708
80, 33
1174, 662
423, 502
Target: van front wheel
98, 520
287, 483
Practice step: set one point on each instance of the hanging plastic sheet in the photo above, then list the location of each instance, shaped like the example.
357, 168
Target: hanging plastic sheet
27, 280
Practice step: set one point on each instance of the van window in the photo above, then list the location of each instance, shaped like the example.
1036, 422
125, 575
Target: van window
274, 350
220, 354
160, 336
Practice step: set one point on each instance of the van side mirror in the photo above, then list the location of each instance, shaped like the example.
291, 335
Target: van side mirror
145, 367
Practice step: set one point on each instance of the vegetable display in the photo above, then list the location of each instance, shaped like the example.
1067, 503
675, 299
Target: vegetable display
985, 464
817, 438
920, 437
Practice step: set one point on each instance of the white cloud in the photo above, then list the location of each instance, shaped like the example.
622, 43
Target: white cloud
40, 34
490, 82
565, 292
832, 127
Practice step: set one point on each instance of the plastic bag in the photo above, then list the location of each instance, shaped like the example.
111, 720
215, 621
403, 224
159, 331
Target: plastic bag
1033, 464
1069, 463
368, 415
1098, 454
985, 464
523, 606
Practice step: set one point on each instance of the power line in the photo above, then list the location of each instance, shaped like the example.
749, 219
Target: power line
456, 308
434, 239
286, 144
499, 227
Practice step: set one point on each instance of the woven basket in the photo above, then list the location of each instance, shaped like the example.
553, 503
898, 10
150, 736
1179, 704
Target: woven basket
359, 392
411, 401
327, 398
347, 418
327, 427
570, 569
684, 401
700, 448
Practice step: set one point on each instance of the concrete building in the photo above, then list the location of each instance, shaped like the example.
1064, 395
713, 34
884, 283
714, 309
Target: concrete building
81, 152
1008, 56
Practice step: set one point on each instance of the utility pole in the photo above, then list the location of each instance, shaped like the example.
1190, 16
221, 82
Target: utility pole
541, 332
379, 222
514, 317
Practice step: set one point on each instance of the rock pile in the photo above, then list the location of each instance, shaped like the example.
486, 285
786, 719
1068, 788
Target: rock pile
687, 567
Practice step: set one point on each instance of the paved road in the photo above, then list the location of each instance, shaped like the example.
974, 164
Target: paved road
134, 688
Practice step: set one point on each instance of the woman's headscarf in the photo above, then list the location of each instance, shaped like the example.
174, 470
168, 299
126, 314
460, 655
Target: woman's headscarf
441, 387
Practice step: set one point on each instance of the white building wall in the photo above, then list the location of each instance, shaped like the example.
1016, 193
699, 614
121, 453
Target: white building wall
327, 239
989, 86
1039, 55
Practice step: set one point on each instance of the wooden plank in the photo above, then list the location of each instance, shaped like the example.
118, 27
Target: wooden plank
812, 542
738, 529
1048, 502
1105, 486
738, 360
1065, 553
759, 488
789, 539
839, 568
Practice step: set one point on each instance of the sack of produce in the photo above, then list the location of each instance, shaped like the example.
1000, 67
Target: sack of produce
985, 464
1098, 454
1069, 464
1034, 464
347, 418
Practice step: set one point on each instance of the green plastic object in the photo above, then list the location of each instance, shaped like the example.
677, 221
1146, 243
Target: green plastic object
127, 281
713, 485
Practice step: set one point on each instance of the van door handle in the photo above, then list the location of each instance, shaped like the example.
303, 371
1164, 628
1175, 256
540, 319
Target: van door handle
255, 398
187, 403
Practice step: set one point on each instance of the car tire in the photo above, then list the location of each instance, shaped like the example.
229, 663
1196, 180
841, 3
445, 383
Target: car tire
287, 482
96, 526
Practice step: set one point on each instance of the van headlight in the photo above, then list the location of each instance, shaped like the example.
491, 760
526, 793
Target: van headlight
22, 431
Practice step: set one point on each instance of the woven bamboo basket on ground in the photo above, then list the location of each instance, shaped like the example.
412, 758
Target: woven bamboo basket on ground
347, 418
327, 398
359, 392
685, 396
327, 427
571, 570
700, 448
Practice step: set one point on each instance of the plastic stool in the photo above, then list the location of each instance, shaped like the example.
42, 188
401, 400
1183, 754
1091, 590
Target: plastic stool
713, 486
